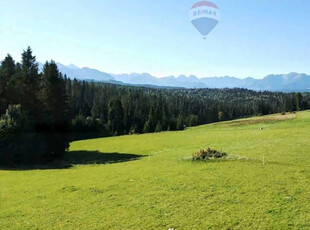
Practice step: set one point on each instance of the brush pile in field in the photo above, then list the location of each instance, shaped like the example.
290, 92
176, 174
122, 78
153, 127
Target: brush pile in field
208, 154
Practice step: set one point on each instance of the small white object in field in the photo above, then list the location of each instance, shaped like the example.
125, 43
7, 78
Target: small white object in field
171, 229
131, 180
263, 159
261, 128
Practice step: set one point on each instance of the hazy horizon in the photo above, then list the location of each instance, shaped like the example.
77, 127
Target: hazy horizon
199, 77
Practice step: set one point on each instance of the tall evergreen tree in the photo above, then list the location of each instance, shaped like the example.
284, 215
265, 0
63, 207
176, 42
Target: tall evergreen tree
57, 111
116, 117
298, 101
30, 85
7, 71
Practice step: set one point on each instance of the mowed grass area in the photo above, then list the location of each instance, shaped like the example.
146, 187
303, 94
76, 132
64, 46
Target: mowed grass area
163, 190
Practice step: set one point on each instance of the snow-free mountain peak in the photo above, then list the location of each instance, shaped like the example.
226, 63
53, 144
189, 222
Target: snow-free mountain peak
273, 82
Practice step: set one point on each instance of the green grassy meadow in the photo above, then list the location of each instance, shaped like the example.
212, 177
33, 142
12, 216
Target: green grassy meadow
147, 181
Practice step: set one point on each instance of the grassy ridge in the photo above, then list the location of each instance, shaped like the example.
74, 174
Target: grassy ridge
154, 187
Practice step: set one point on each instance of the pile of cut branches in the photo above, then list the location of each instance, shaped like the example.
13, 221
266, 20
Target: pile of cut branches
208, 154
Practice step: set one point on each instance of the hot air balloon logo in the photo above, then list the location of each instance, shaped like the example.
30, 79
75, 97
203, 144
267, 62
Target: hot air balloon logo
204, 16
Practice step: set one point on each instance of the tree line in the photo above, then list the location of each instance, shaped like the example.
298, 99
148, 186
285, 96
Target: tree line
42, 110
107, 109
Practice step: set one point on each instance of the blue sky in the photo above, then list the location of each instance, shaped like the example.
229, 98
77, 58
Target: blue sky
253, 39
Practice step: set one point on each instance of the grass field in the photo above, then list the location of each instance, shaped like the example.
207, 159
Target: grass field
150, 184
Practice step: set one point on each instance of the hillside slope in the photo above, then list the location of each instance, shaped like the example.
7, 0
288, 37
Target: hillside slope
162, 189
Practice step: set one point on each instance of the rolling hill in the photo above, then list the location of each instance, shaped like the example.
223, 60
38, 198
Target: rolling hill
148, 182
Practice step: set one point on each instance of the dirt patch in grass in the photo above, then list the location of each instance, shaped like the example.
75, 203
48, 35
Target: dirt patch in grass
265, 119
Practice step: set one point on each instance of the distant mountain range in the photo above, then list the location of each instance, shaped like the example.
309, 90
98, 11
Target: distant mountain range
280, 82
85, 73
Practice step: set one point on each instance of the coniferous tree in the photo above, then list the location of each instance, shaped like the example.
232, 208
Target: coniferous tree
116, 117
180, 123
298, 101
30, 85
7, 72
57, 111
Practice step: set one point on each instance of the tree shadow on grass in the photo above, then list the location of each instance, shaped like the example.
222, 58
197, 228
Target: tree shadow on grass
72, 158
